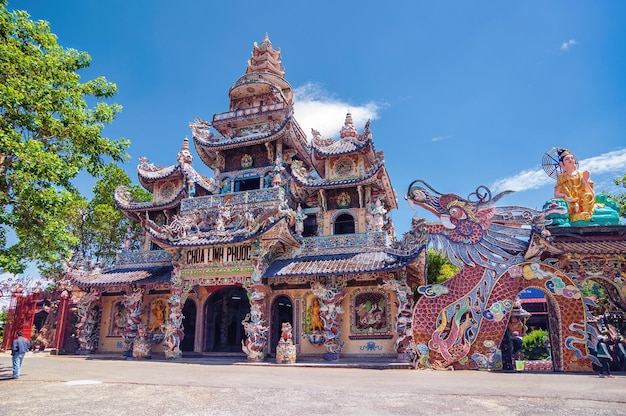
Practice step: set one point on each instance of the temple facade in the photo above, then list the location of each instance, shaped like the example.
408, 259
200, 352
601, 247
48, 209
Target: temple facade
282, 230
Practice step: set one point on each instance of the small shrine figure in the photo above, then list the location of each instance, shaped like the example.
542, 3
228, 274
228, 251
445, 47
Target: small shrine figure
300, 217
159, 314
142, 346
191, 186
128, 240
379, 211
225, 186
286, 350
278, 168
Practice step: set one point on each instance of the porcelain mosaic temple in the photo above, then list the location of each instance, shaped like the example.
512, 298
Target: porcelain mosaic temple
287, 248
284, 230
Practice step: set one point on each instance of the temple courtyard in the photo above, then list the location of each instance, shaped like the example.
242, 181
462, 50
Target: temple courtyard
107, 385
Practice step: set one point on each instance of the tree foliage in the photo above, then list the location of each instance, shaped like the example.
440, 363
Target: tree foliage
534, 345
439, 268
48, 135
621, 198
98, 226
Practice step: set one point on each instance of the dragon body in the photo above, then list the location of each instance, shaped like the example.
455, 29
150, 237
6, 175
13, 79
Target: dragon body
488, 244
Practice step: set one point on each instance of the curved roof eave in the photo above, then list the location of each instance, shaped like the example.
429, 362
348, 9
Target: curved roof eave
150, 206
204, 147
357, 147
324, 265
371, 177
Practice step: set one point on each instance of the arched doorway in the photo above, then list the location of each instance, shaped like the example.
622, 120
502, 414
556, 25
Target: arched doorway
535, 318
565, 309
282, 311
189, 326
344, 224
223, 312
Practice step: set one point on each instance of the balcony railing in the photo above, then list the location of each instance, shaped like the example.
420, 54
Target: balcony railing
257, 196
343, 242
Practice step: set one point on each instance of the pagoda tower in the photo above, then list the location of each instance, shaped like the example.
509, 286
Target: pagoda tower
281, 229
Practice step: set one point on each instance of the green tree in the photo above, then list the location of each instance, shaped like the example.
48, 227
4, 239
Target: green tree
534, 345
621, 198
48, 134
98, 226
439, 268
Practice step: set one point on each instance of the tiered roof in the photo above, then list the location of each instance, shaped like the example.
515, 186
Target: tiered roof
181, 173
265, 59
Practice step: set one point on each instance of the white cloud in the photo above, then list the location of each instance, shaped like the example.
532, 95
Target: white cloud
611, 162
566, 45
523, 181
438, 138
608, 162
315, 108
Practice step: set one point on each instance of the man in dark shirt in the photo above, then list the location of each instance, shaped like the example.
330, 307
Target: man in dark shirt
20, 346
517, 346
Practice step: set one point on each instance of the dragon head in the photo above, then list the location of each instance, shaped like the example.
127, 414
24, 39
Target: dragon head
462, 229
461, 218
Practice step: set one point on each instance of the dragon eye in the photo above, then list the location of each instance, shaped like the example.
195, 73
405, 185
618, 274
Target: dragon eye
418, 195
457, 213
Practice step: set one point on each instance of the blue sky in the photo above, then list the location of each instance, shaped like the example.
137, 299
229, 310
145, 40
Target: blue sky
460, 93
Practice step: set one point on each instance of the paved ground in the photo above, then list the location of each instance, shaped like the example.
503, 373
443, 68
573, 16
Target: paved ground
71, 385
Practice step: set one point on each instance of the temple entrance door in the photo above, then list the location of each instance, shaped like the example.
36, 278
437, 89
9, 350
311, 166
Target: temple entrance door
189, 325
282, 311
223, 312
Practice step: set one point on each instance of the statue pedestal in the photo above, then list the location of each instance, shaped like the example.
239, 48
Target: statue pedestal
142, 349
331, 356
285, 354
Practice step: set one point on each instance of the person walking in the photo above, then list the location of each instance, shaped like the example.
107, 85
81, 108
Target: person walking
20, 346
602, 351
621, 353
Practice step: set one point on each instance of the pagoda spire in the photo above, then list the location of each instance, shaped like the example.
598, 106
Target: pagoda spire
348, 130
265, 58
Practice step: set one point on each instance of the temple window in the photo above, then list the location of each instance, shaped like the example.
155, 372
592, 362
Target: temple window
344, 224
310, 226
247, 184
370, 314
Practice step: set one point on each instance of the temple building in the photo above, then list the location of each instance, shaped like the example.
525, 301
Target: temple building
286, 246
283, 229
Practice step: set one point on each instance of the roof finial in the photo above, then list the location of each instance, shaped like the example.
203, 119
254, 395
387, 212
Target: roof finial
348, 130
265, 58
184, 155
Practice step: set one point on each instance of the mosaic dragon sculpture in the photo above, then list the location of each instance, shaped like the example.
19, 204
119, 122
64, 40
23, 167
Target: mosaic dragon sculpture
488, 244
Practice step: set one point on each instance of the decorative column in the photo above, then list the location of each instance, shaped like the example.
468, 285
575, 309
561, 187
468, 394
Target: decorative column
331, 296
133, 302
255, 322
403, 325
174, 324
62, 321
87, 321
